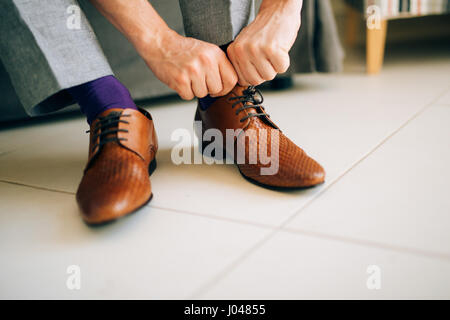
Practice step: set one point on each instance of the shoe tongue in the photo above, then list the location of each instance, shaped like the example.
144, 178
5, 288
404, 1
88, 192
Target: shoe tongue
239, 91
206, 102
114, 113
111, 112
111, 124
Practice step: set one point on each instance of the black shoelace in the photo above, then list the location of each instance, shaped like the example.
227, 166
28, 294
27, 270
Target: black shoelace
106, 129
250, 95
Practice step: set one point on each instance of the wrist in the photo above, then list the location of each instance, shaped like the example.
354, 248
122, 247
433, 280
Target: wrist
284, 6
152, 41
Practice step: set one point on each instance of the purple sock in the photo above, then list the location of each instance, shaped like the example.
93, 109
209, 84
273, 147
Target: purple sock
208, 100
101, 94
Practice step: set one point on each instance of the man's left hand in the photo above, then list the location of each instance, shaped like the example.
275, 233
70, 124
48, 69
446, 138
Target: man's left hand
261, 50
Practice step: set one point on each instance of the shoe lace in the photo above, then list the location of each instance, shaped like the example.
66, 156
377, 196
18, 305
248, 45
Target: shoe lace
106, 129
250, 95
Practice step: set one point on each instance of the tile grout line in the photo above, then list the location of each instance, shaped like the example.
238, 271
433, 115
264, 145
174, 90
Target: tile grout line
150, 205
35, 187
274, 228
225, 271
203, 215
218, 218
370, 243
281, 227
215, 279
249, 222
296, 211
368, 154
317, 235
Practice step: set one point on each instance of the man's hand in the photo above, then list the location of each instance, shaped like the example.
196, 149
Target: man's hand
193, 68
261, 50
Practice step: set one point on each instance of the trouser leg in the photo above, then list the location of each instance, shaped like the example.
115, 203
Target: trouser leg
44, 51
216, 21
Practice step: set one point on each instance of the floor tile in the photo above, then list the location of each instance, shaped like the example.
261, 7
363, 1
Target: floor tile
332, 128
54, 159
153, 254
337, 119
445, 99
17, 138
294, 266
318, 115
397, 196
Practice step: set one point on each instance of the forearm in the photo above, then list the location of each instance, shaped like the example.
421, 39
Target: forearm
136, 19
189, 66
293, 6
283, 9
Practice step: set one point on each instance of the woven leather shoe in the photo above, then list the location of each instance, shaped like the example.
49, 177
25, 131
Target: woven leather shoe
122, 149
241, 109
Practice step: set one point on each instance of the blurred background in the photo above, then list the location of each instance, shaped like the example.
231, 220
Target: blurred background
401, 29
368, 96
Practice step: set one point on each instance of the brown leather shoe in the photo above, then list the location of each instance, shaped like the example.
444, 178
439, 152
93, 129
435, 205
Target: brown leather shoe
241, 109
122, 149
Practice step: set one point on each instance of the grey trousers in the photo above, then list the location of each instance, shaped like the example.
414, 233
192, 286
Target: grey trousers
42, 57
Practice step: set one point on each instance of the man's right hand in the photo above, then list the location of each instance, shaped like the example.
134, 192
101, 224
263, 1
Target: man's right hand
191, 67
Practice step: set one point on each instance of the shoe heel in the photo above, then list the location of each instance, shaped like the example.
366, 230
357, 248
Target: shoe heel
198, 130
151, 167
203, 144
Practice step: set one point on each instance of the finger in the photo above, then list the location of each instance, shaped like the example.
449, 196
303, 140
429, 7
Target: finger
213, 81
266, 70
182, 85
251, 74
241, 79
199, 87
186, 93
280, 62
228, 77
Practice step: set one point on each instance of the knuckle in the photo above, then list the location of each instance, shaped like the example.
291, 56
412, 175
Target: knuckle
206, 57
282, 63
239, 49
270, 50
216, 89
253, 49
255, 82
193, 69
181, 80
230, 81
186, 95
271, 76
230, 50
285, 65
201, 93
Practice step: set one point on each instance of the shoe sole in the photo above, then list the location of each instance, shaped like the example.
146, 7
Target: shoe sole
278, 188
151, 169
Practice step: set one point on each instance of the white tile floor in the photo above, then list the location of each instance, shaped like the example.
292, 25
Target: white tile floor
384, 141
